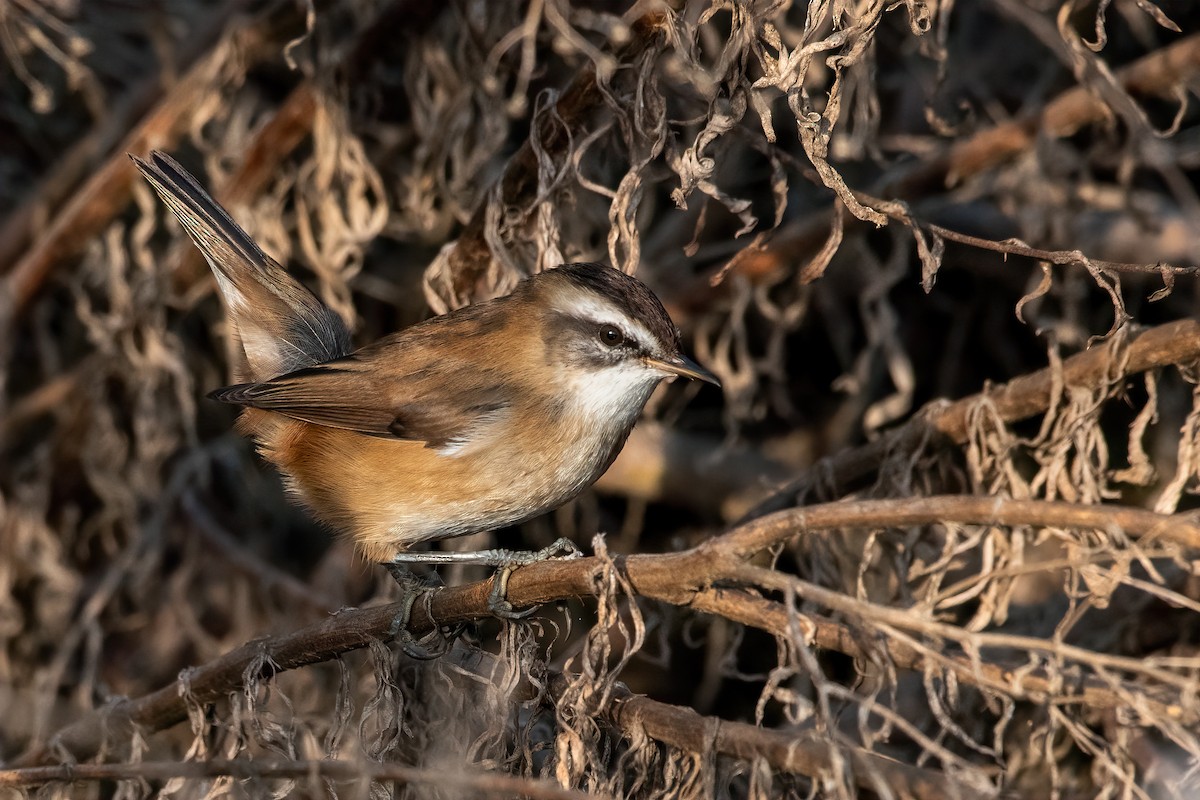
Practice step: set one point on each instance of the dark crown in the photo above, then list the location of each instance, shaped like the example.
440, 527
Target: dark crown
624, 291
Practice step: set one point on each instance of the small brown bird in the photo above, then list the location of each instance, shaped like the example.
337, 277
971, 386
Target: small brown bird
484, 417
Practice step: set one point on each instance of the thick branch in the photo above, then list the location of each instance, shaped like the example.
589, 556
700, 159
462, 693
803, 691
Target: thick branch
677, 578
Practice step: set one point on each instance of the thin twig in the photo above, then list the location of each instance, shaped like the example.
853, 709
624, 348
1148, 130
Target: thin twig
1015, 247
1009, 677
1155, 73
904, 619
1175, 343
94, 204
806, 753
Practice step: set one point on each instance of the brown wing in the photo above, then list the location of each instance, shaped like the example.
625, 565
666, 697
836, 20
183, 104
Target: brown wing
444, 404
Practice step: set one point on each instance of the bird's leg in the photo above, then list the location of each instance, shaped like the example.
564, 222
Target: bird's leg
563, 548
415, 586
506, 560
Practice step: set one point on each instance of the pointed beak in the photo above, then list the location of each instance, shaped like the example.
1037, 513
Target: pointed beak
684, 366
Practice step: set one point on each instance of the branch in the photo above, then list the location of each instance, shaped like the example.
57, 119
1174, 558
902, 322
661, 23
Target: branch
1011, 678
890, 621
470, 255
683, 579
464, 778
1155, 73
796, 751
105, 194
1175, 343
809, 753
1015, 247
758, 535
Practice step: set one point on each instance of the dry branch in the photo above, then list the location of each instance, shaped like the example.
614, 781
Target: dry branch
470, 255
45, 199
491, 784
755, 536
1156, 73
808, 753
1175, 343
683, 579
1011, 247
1009, 677
94, 204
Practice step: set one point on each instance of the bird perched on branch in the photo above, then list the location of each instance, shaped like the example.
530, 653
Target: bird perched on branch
483, 417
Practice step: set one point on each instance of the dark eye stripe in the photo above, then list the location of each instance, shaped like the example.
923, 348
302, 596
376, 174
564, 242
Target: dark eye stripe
565, 326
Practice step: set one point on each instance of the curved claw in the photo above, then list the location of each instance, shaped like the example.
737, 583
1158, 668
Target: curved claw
498, 598
570, 551
419, 649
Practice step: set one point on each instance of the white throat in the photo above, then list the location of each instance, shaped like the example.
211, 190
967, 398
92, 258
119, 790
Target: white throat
613, 396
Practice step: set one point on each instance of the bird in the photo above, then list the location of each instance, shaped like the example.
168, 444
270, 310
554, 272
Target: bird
477, 419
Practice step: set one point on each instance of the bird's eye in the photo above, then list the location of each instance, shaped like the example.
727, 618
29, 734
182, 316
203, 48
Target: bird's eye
611, 335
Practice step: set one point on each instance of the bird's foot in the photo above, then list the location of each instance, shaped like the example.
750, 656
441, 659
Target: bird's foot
505, 560
561, 549
498, 604
437, 642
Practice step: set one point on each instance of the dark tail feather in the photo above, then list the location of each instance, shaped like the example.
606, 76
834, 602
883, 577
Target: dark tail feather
281, 325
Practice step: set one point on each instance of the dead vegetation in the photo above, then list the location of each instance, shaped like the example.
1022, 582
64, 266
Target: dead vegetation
935, 538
